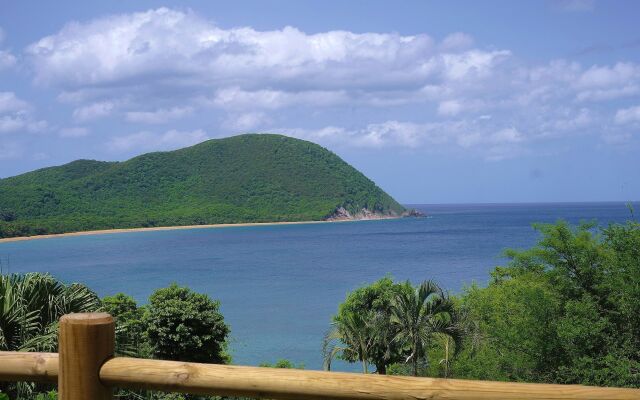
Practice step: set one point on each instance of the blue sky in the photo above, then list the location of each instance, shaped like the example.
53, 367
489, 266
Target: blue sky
438, 102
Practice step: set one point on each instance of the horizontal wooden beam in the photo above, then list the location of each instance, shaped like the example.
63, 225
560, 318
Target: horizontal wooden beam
289, 384
32, 367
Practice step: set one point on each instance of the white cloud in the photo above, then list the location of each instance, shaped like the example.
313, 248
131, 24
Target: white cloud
16, 115
159, 116
74, 132
473, 64
21, 121
93, 111
9, 102
164, 45
236, 98
161, 65
457, 41
607, 76
148, 141
478, 136
628, 115
247, 121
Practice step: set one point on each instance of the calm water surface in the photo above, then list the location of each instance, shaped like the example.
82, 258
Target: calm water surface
279, 285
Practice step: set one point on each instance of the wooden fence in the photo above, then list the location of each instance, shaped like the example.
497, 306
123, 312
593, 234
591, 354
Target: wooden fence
85, 369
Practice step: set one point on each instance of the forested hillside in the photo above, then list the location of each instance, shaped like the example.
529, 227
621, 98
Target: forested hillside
246, 178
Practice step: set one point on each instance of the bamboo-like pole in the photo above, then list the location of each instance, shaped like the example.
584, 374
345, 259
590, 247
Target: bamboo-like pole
284, 384
32, 367
85, 342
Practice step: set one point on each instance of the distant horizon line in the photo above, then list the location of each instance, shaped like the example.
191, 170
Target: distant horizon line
516, 203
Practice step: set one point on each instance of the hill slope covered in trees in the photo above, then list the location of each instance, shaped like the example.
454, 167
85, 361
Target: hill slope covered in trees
246, 178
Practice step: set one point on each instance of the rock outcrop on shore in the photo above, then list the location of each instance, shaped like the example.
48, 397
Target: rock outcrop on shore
342, 214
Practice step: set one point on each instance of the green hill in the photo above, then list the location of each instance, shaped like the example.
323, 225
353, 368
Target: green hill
246, 178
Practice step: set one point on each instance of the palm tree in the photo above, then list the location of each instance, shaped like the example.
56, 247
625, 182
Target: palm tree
421, 314
30, 306
353, 335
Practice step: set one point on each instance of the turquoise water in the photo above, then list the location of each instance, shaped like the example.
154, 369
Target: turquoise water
279, 285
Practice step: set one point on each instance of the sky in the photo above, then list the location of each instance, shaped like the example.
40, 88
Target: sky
436, 101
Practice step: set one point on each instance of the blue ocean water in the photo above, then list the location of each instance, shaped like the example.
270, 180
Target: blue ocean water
279, 285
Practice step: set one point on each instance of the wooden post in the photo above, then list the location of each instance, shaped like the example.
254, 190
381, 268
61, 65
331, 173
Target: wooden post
85, 342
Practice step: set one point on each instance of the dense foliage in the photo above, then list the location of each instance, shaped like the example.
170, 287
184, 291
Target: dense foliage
566, 311
30, 307
185, 326
387, 323
367, 311
247, 178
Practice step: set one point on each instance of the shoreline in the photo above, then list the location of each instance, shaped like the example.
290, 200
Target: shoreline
178, 227
156, 228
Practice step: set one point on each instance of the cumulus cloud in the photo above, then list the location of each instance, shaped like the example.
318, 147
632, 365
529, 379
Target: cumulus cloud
160, 50
628, 115
159, 116
148, 141
165, 44
158, 66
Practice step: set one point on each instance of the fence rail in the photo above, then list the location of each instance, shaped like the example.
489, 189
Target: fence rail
86, 369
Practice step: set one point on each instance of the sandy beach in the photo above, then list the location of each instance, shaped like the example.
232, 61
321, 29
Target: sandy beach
158, 228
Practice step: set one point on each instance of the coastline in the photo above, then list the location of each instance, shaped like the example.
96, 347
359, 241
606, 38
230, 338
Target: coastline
155, 228
178, 227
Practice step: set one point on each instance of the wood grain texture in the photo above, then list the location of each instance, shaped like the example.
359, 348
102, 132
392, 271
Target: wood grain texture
32, 367
274, 383
85, 342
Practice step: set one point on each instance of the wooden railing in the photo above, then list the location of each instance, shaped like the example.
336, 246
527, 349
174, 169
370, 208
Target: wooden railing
85, 369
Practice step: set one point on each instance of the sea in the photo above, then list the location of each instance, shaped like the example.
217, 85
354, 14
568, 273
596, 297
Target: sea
279, 285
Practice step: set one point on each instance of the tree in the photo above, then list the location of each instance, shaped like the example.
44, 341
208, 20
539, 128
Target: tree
186, 326
421, 314
30, 307
355, 335
283, 363
129, 325
567, 310
362, 330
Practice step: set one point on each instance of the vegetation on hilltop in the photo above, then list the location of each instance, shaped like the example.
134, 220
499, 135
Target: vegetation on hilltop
246, 178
